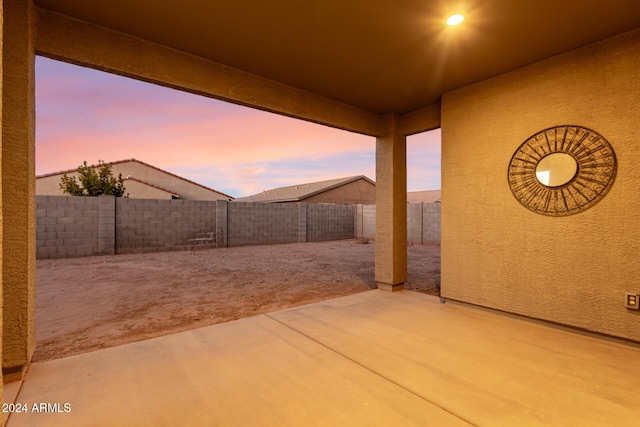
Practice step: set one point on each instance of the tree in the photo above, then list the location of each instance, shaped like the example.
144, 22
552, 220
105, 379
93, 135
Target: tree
93, 183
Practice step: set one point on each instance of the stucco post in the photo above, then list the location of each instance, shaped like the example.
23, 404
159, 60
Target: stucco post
391, 206
18, 188
1, 138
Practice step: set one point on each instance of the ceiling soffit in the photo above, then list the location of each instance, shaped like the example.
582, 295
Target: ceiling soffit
378, 56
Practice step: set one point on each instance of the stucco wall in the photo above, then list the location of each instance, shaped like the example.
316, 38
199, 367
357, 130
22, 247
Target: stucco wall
573, 270
50, 185
18, 200
360, 191
138, 190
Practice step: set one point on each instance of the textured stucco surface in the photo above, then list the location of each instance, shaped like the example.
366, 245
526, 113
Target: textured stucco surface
573, 270
1, 140
391, 205
18, 189
353, 193
50, 185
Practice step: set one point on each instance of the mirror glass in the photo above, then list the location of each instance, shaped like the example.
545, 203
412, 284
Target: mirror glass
556, 169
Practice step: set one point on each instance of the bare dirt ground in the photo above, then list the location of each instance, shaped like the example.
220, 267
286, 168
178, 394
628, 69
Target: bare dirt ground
84, 304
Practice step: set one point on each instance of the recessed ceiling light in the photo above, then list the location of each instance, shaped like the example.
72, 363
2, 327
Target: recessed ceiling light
455, 19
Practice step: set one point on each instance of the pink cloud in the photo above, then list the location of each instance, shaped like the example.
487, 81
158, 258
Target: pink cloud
88, 115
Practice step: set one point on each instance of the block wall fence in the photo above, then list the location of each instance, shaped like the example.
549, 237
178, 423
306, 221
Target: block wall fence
84, 226
423, 223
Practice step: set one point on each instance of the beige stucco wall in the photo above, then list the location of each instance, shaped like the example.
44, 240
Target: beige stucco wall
573, 270
138, 190
18, 198
356, 192
1, 140
391, 206
50, 185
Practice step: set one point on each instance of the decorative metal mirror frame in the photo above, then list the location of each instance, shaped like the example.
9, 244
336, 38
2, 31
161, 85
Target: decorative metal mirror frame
596, 170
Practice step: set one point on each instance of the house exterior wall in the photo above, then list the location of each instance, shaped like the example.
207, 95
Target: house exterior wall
50, 185
138, 190
359, 191
572, 270
1, 192
186, 190
18, 191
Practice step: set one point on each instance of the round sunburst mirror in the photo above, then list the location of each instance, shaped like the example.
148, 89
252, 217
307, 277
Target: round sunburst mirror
562, 170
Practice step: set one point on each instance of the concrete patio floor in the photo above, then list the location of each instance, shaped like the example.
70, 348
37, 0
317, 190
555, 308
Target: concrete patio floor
373, 358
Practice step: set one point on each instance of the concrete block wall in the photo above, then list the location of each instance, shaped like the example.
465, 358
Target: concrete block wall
431, 214
261, 223
67, 226
423, 223
330, 222
106, 225
366, 222
83, 226
222, 224
303, 212
414, 223
144, 225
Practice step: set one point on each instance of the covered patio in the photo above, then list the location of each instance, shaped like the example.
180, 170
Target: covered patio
554, 78
366, 359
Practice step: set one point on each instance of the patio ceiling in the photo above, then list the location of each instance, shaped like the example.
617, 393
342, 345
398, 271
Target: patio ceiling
377, 56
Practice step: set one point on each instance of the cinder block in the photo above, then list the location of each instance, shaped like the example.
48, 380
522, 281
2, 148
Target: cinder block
89, 227
53, 243
47, 235
103, 234
53, 227
47, 252
84, 235
65, 235
86, 249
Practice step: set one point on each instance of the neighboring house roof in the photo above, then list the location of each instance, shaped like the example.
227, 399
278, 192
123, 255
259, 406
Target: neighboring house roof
142, 163
296, 193
429, 196
130, 178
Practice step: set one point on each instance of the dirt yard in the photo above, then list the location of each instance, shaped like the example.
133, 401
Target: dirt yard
84, 304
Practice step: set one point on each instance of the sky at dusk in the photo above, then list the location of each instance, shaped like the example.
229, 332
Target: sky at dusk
83, 114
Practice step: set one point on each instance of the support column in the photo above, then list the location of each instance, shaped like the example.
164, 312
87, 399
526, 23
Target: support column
391, 206
1, 195
18, 188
